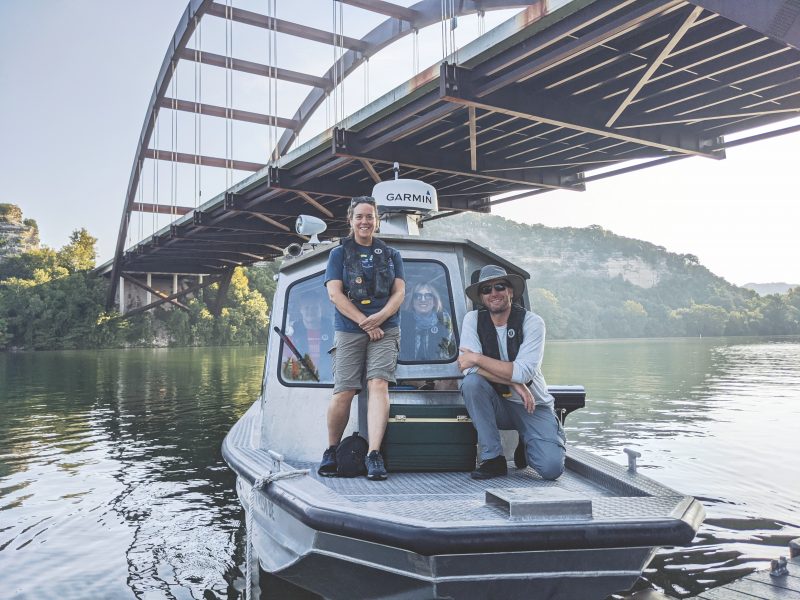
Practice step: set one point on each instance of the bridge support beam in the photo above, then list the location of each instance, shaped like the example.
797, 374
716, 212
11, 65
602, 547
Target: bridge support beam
151, 290
191, 289
457, 85
349, 144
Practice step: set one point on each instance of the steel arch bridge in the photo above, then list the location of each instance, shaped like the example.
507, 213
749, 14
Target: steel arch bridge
559, 90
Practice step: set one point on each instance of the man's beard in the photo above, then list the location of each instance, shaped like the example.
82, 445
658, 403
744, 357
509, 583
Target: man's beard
499, 308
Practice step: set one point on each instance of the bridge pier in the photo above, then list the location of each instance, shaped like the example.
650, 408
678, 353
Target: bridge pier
139, 290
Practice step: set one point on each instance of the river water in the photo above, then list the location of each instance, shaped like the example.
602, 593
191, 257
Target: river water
112, 484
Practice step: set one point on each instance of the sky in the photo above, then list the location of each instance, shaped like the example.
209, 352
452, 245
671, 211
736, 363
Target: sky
76, 77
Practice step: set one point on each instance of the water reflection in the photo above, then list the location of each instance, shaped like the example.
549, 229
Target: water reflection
712, 418
112, 475
112, 483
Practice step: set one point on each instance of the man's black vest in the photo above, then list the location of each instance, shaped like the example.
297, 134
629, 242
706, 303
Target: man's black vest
487, 333
356, 284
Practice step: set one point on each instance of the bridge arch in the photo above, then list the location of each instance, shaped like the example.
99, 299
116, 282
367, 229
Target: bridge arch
564, 88
400, 22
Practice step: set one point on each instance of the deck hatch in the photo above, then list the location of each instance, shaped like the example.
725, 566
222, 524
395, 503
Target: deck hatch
540, 503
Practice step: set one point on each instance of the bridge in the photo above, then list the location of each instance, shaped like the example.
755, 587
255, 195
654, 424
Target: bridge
558, 95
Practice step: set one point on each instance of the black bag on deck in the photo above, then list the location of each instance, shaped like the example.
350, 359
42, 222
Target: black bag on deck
350, 455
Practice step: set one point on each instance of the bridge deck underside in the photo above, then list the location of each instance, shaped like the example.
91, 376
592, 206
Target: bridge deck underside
593, 85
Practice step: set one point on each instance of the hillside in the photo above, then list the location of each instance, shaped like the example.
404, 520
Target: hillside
591, 283
17, 235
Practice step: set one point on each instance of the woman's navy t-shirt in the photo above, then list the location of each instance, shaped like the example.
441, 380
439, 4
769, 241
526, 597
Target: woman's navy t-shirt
335, 271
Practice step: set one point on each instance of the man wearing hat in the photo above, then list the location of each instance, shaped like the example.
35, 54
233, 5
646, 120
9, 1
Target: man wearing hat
502, 345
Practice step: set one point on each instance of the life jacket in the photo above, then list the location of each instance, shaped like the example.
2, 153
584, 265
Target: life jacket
429, 341
358, 287
300, 339
487, 333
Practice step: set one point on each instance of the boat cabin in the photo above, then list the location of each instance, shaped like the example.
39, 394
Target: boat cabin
295, 399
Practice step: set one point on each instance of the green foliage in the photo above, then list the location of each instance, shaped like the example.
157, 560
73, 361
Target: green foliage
62, 312
262, 278
51, 300
79, 254
700, 319
10, 213
26, 265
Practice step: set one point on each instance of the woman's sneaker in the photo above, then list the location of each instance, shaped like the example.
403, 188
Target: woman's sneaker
375, 469
328, 466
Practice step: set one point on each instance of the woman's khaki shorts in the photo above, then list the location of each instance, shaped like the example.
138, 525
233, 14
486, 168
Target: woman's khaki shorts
353, 352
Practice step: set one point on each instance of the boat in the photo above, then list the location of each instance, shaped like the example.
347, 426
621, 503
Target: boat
429, 534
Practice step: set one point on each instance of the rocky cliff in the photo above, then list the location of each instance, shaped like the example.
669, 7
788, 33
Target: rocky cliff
17, 235
564, 252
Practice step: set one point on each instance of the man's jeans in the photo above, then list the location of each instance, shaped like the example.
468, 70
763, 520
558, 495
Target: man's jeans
544, 438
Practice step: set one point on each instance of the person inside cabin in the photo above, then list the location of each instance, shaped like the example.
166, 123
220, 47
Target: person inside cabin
502, 345
365, 282
427, 328
312, 334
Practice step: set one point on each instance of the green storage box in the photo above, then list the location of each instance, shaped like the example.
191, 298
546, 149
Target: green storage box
425, 437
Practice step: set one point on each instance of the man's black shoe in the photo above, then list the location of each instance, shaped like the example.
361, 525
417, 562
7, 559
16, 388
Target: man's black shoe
375, 469
520, 457
493, 467
328, 466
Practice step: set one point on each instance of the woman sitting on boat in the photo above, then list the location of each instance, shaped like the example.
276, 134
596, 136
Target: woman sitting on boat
427, 327
365, 282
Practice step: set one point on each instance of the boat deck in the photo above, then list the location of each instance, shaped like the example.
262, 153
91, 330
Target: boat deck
451, 499
443, 497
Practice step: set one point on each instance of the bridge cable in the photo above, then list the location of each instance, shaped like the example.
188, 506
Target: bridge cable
198, 110
139, 165
228, 92
272, 81
448, 25
173, 143
156, 171
335, 70
338, 62
366, 81
415, 52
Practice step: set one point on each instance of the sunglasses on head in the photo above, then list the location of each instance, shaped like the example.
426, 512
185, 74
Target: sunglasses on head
423, 296
362, 200
498, 287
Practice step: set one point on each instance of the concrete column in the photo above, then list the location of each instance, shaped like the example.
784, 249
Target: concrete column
149, 284
121, 288
175, 283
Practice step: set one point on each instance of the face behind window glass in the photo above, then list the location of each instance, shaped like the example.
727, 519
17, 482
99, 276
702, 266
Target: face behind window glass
427, 328
308, 324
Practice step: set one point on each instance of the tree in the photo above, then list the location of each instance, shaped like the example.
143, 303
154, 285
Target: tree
635, 317
702, 319
246, 318
546, 305
79, 254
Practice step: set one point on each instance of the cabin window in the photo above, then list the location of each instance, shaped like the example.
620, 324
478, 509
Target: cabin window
428, 332
308, 324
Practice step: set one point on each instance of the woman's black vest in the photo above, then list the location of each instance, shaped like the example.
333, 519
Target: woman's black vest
487, 333
356, 284
430, 339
